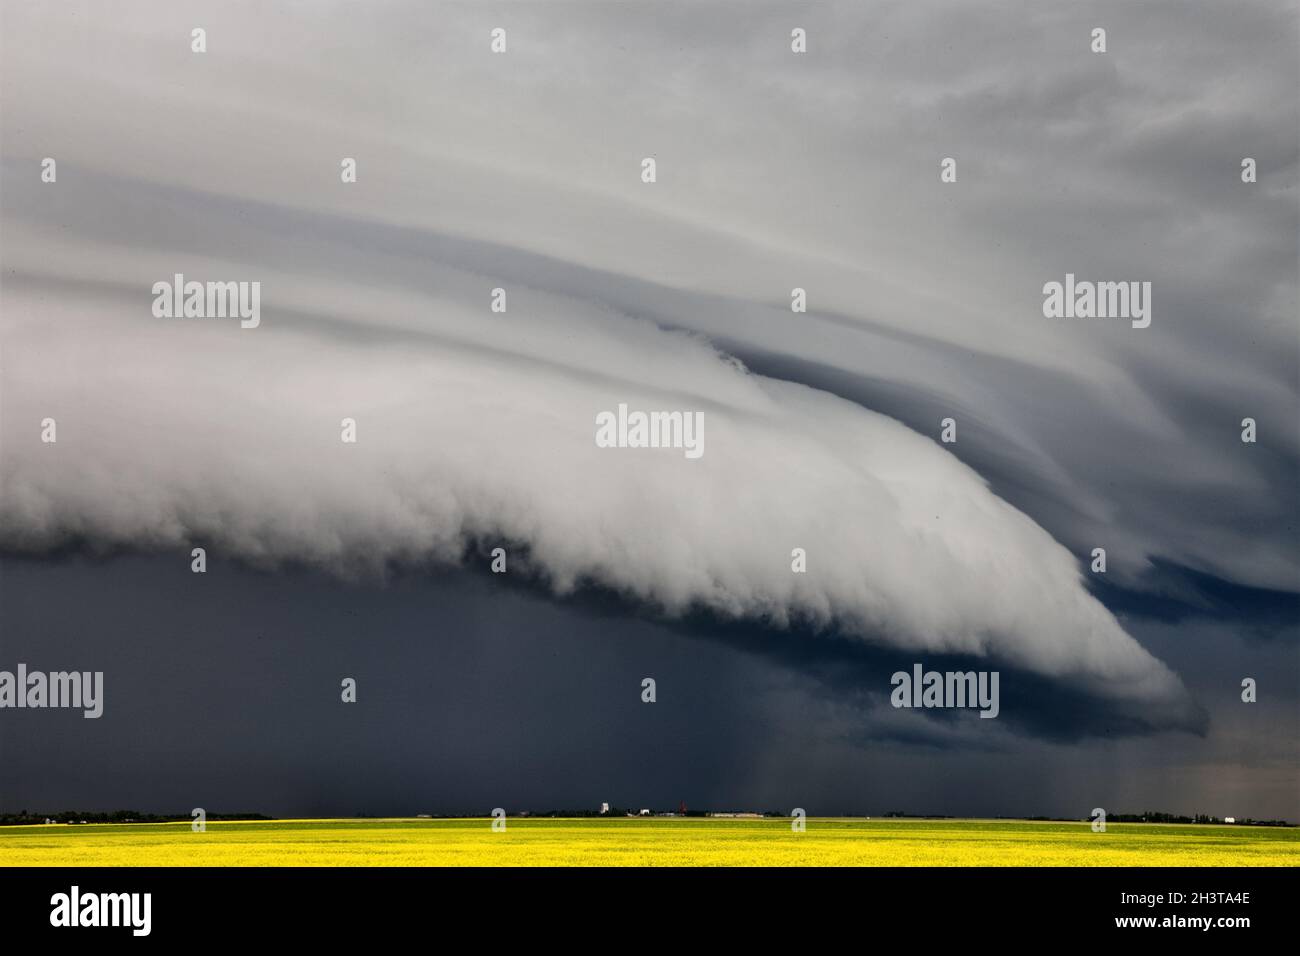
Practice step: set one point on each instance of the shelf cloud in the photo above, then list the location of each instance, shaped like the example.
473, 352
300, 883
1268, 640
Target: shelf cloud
473, 427
522, 173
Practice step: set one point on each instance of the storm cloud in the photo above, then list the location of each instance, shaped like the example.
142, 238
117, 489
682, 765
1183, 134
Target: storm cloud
776, 171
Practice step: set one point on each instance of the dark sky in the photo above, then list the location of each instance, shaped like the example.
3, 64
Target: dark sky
222, 691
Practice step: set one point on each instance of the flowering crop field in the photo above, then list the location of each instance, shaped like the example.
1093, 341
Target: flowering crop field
662, 841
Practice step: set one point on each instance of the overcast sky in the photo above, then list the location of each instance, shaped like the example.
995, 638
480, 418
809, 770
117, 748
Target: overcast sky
775, 170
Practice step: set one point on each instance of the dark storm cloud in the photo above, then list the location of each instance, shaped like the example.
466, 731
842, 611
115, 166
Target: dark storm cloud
776, 171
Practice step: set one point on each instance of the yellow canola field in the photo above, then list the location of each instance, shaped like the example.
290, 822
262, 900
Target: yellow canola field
662, 841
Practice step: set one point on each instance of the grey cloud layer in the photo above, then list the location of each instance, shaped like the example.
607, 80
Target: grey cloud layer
775, 171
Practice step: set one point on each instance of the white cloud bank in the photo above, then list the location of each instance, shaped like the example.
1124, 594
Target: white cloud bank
472, 425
